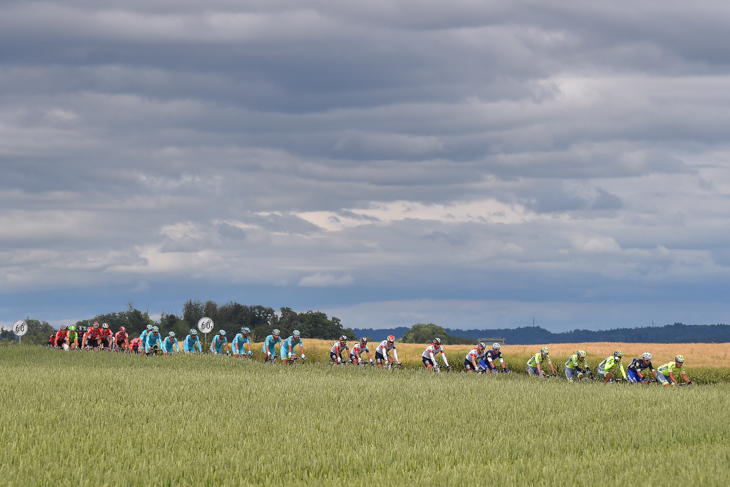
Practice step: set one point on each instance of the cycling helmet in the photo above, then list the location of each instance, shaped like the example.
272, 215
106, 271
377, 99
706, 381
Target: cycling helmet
155, 328
581, 353
296, 333
62, 327
193, 331
245, 330
105, 326
679, 358
437, 341
480, 346
149, 327
172, 334
96, 324
363, 340
122, 329
72, 328
618, 353
496, 346
390, 338
343, 338
223, 333
545, 351
646, 356
276, 332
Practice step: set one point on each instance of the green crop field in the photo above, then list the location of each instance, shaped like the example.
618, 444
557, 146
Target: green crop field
98, 419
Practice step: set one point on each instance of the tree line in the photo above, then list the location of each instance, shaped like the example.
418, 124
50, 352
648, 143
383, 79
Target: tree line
534, 335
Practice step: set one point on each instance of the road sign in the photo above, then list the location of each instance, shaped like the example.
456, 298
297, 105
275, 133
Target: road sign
20, 328
205, 325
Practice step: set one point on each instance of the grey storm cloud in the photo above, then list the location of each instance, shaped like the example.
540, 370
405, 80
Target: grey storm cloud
398, 150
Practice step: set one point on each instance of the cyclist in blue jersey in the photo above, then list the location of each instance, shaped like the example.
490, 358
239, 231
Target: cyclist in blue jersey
270, 346
287, 348
216, 346
143, 335
153, 341
169, 344
191, 341
634, 372
239, 340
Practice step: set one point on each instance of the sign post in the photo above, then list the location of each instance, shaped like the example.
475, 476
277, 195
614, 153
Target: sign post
20, 328
205, 325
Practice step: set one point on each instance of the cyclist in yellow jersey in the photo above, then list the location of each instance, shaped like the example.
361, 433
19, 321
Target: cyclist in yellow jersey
576, 366
534, 365
605, 367
665, 373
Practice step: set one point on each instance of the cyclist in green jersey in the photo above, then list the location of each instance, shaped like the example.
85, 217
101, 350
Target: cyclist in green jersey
534, 365
576, 366
665, 373
605, 367
73, 337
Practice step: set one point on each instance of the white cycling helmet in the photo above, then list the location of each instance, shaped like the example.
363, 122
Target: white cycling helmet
545, 351
646, 356
496, 346
172, 334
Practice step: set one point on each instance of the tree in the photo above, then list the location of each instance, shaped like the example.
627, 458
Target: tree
425, 333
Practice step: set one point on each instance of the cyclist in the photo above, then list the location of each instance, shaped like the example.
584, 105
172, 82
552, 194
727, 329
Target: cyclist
535, 366
153, 342
73, 337
633, 371
472, 359
287, 348
270, 345
106, 336
239, 340
121, 339
191, 341
429, 355
491, 356
61, 337
357, 351
216, 346
93, 335
338, 349
143, 335
169, 345
665, 373
609, 363
135, 346
381, 352
576, 366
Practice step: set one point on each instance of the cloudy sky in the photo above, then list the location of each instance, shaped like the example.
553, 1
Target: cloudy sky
467, 163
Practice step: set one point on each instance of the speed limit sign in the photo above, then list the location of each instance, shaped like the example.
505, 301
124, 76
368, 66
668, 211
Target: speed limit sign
20, 328
205, 325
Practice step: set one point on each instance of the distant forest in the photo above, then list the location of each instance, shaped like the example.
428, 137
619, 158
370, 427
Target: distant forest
534, 335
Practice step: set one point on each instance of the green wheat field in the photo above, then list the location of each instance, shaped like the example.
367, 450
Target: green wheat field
77, 419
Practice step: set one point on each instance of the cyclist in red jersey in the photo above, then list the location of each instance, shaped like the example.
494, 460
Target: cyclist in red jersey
121, 339
106, 336
93, 336
61, 337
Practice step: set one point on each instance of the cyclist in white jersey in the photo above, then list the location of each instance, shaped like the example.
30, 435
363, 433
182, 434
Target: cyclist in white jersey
338, 349
357, 351
428, 357
471, 361
381, 353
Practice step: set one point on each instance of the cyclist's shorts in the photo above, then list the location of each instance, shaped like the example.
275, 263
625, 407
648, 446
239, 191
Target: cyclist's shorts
571, 374
468, 365
663, 379
601, 372
271, 350
379, 358
427, 361
92, 342
632, 376
531, 370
